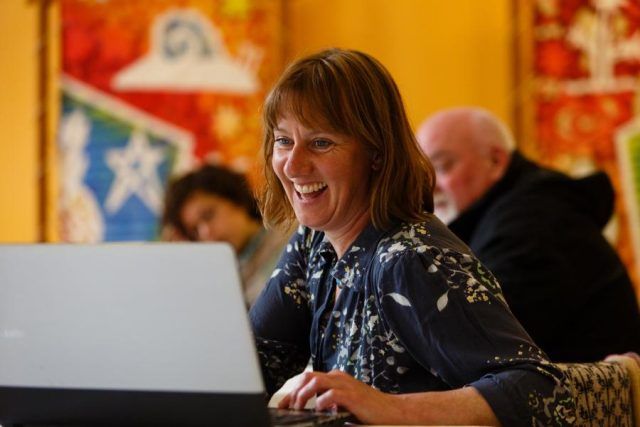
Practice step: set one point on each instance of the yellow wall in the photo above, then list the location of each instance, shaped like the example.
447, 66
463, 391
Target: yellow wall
441, 53
18, 121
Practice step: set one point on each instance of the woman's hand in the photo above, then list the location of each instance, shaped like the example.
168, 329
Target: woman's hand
631, 354
338, 389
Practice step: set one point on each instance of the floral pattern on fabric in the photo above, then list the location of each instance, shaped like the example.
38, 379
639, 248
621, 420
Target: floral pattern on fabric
280, 359
415, 312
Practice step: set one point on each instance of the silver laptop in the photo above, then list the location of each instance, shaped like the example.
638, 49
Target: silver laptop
129, 334
124, 334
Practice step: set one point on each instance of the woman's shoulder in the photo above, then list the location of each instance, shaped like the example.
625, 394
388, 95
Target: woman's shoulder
429, 237
428, 251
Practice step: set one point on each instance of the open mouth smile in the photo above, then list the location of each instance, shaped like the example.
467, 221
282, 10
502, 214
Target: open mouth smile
309, 191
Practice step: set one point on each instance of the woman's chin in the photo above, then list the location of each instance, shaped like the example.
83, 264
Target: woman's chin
311, 222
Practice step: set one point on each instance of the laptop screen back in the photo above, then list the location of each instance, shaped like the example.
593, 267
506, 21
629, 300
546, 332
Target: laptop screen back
125, 333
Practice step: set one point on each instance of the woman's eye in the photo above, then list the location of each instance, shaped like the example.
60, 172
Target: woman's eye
321, 143
207, 215
282, 141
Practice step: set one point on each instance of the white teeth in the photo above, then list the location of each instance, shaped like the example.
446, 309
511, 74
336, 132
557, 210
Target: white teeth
309, 188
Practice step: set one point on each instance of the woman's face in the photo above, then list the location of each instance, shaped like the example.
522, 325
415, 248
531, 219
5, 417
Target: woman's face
324, 174
211, 218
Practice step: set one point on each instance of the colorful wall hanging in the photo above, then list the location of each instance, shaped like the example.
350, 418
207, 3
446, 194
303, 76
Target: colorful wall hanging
151, 88
579, 87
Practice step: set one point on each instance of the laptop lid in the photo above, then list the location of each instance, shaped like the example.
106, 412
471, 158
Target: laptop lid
117, 334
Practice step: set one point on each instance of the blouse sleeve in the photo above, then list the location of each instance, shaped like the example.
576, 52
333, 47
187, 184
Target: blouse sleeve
448, 311
280, 318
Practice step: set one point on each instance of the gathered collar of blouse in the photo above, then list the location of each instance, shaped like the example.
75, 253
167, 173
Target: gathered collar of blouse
354, 263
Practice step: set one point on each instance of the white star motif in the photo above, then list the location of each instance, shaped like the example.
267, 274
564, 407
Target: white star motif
136, 170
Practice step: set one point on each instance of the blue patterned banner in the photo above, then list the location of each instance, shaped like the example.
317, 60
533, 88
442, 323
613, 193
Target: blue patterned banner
115, 161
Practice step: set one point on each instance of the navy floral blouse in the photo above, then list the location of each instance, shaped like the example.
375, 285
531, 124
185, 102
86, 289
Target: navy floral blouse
415, 312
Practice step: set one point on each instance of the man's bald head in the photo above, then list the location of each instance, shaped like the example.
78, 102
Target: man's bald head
470, 150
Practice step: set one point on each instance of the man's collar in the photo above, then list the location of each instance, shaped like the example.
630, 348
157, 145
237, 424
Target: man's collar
464, 225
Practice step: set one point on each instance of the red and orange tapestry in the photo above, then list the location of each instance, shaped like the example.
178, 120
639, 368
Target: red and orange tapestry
149, 89
580, 107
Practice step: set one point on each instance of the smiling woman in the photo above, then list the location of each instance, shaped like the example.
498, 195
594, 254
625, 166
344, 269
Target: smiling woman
402, 323
310, 101
326, 178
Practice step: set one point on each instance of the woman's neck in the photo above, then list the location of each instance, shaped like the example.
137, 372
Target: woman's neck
343, 238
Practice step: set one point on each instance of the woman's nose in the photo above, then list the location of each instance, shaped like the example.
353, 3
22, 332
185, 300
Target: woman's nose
297, 162
203, 232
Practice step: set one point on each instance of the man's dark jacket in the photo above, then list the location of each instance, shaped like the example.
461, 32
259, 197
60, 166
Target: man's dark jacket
539, 232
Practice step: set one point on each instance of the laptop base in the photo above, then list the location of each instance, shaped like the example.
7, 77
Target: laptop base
81, 407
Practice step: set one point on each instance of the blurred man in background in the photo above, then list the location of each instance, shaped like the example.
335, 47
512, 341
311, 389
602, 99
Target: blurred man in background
538, 231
